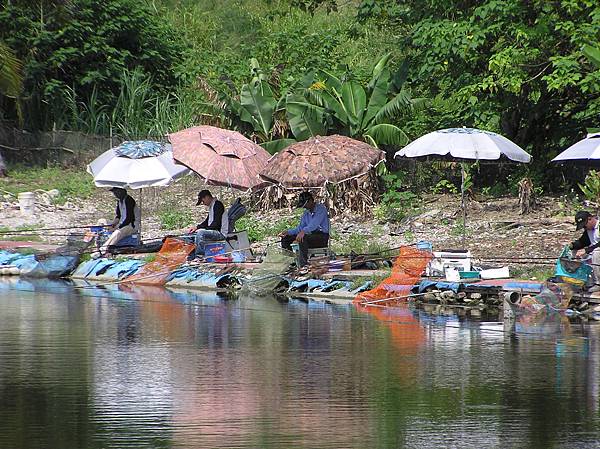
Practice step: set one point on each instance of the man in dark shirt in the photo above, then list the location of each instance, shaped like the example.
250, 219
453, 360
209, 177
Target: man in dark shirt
588, 243
126, 221
214, 227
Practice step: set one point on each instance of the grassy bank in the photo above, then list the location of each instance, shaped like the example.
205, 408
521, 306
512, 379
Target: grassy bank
71, 183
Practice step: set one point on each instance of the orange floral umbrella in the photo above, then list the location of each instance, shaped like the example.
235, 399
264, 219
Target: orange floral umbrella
220, 156
320, 160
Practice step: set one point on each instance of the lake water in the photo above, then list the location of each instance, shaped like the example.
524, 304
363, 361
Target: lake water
145, 368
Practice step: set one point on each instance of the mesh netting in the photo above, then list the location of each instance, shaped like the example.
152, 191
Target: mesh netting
553, 297
406, 271
266, 278
173, 253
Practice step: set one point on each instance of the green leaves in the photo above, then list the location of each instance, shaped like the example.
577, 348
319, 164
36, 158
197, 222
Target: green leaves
591, 186
386, 134
258, 106
593, 54
354, 101
274, 146
82, 45
305, 119
11, 77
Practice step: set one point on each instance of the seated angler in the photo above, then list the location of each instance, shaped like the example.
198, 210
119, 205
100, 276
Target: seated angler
313, 230
588, 245
126, 221
211, 229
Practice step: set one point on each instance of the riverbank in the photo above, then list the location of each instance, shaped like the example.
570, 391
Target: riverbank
495, 231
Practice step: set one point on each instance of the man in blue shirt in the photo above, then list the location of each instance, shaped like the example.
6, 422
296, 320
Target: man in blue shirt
313, 230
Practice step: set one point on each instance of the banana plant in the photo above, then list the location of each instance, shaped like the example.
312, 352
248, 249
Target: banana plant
265, 111
367, 112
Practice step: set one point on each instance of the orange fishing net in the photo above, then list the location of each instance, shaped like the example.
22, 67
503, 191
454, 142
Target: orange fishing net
172, 254
406, 271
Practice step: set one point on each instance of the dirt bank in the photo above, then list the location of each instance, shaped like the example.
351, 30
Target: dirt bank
494, 227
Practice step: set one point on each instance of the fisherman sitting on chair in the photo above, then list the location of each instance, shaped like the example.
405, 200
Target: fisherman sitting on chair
214, 227
588, 243
125, 223
313, 230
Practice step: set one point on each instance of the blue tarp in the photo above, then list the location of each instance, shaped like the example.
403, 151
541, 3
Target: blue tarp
123, 269
53, 266
455, 286
16, 259
193, 277
93, 267
325, 286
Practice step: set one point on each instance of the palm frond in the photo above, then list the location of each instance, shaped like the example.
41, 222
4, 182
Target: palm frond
11, 78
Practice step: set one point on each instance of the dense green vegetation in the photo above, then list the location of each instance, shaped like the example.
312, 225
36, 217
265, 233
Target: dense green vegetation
384, 71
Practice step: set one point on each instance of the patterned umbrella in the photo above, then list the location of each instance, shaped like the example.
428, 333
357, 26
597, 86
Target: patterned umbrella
220, 156
320, 160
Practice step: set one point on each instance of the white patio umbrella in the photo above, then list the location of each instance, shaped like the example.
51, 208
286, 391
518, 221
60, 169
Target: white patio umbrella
584, 152
135, 165
465, 145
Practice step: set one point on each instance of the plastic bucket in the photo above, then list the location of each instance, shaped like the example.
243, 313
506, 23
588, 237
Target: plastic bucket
26, 202
213, 249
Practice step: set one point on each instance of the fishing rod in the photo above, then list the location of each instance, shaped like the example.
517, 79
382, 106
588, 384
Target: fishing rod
11, 231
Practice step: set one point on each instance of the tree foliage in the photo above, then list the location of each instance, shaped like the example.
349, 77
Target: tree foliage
84, 45
506, 65
318, 102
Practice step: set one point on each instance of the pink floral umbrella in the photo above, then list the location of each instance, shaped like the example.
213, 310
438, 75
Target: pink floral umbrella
220, 156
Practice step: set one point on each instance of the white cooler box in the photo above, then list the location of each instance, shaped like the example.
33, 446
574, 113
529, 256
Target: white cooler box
457, 259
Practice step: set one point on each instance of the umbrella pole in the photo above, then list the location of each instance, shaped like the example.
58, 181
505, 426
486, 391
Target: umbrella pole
463, 206
141, 213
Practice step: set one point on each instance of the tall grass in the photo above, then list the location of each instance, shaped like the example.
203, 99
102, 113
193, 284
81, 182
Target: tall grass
222, 35
140, 112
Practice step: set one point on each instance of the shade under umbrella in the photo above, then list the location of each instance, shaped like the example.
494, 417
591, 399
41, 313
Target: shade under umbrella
584, 152
135, 165
320, 160
464, 144
220, 156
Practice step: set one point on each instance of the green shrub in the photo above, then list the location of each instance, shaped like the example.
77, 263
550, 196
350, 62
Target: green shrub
172, 219
258, 230
444, 186
396, 202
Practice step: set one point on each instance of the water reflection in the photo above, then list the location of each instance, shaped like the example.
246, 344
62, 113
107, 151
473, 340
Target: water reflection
123, 366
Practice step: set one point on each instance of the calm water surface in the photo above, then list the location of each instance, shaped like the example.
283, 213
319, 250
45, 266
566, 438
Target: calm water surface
145, 368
